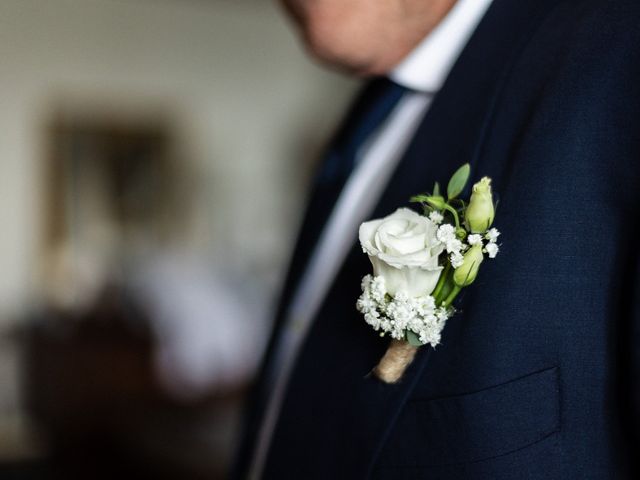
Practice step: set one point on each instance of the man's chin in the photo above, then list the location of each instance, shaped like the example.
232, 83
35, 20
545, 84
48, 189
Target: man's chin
357, 67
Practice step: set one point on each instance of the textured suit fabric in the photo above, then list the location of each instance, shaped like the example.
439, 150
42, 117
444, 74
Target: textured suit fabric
537, 375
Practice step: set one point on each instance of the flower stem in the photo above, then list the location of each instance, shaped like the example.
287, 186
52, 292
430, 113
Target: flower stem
441, 281
449, 208
452, 296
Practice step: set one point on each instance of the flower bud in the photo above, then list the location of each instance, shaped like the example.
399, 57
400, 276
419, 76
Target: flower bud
436, 201
480, 212
466, 273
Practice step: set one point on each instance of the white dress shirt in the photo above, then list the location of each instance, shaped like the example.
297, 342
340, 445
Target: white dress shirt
423, 71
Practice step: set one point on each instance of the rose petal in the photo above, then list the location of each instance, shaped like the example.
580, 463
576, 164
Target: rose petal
403, 249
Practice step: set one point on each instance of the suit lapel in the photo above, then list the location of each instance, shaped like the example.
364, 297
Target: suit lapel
356, 412
453, 133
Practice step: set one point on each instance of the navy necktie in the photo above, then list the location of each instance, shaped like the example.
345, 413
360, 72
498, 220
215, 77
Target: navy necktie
370, 110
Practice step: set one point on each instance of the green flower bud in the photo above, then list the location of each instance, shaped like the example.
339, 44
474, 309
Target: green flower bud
480, 212
466, 273
436, 201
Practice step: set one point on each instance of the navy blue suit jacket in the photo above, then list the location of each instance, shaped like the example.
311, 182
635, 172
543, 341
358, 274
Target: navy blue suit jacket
537, 376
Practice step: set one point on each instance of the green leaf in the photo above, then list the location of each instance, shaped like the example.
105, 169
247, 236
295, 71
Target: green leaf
458, 181
413, 339
436, 190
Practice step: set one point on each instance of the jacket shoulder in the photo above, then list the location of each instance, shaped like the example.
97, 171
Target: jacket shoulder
598, 24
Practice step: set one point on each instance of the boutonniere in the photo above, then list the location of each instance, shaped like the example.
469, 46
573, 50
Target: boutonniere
420, 265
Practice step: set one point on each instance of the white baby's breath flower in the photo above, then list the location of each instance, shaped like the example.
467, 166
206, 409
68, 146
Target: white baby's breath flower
416, 324
366, 304
492, 235
436, 217
430, 334
492, 249
446, 233
456, 259
424, 305
442, 314
396, 315
454, 246
373, 319
474, 239
378, 288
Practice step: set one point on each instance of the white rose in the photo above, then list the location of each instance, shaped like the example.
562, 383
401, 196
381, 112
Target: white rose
403, 249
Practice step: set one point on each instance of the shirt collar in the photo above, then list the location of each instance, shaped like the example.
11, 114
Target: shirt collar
426, 68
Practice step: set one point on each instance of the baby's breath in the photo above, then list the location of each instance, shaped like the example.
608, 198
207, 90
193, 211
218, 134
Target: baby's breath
399, 314
492, 249
492, 235
436, 217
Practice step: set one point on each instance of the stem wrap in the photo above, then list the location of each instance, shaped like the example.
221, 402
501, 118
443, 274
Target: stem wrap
395, 361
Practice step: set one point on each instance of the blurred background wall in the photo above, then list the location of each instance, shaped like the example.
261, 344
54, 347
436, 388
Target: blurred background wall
158, 149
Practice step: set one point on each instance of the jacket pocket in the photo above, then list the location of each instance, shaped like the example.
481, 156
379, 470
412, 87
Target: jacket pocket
475, 426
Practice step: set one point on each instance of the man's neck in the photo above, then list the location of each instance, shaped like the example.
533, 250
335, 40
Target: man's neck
427, 66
